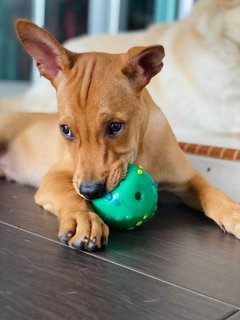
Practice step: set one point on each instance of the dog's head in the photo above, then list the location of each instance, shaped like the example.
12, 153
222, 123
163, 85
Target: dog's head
102, 104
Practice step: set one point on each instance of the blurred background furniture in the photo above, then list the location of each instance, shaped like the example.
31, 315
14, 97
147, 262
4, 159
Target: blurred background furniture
68, 18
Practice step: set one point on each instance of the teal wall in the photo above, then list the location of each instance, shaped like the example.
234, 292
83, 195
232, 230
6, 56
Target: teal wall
14, 63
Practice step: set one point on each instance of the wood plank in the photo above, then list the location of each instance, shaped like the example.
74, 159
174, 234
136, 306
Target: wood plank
41, 279
236, 316
182, 246
178, 245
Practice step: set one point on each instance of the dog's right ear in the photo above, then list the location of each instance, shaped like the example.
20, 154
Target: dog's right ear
52, 59
143, 63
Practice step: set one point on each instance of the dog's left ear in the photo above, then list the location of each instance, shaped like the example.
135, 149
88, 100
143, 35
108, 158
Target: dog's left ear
52, 59
143, 63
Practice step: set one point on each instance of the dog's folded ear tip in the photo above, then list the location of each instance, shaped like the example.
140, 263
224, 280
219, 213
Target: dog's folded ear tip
156, 46
159, 49
20, 22
154, 52
142, 64
24, 24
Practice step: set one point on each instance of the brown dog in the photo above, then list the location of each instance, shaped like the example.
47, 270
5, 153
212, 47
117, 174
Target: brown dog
107, 120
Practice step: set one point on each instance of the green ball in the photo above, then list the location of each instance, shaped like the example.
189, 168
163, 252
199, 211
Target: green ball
131, 203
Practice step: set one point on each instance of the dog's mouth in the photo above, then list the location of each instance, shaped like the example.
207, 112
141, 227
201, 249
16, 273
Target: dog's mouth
96, 189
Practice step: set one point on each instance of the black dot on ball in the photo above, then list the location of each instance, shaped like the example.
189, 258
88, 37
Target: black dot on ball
138, 196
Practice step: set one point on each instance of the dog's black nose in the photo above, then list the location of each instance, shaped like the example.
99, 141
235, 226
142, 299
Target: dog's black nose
92, 190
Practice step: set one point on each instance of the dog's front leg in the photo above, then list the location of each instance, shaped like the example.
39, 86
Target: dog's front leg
215, 204
80, 226
200, 194
174, 172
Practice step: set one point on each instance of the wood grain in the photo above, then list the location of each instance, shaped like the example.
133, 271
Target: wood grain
177, 253
235, 316
41, 279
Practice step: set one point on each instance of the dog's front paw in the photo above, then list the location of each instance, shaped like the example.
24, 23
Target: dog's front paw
231, 221
83, 230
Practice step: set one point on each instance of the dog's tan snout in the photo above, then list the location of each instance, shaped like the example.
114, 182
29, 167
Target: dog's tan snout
92, 190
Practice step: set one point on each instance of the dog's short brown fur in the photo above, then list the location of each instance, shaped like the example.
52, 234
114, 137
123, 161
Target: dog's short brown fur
95, 92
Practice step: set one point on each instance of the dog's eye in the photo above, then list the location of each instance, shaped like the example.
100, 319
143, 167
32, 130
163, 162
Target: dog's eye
66, 131
114, 128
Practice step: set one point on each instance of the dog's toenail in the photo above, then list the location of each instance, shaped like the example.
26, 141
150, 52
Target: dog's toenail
79, 245
65, 237
94, 240
90, 247
85, 239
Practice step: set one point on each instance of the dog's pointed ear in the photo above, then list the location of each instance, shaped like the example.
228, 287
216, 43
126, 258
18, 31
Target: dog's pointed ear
143, 63
52, 59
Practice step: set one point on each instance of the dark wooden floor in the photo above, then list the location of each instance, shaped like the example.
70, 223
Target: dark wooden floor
179, 265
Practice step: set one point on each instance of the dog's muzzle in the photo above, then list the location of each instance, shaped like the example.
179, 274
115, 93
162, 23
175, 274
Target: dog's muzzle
92, 190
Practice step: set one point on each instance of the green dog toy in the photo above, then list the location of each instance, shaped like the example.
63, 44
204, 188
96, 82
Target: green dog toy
131, 203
